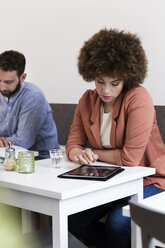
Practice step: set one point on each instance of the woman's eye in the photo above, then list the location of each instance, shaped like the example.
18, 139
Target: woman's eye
100, 82
115, 83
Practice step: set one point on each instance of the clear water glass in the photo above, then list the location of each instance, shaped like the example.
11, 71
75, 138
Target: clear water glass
57, 158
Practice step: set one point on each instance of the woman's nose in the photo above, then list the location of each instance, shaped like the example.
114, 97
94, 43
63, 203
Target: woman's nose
106, 89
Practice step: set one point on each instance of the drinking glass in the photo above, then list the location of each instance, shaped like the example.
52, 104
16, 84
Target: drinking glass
26, 163
57, 158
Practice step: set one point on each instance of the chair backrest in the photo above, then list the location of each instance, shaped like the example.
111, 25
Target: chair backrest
63, 117
152, 223
160, 116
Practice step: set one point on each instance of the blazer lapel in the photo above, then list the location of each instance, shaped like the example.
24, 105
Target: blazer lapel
95, 120
115, 114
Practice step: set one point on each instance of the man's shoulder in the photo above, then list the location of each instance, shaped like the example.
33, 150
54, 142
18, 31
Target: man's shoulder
32, 95
30, 90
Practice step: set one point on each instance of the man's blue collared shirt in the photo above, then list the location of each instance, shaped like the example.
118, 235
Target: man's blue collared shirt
26, 120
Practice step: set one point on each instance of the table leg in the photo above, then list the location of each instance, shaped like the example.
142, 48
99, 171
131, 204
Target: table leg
60, 227
26, 221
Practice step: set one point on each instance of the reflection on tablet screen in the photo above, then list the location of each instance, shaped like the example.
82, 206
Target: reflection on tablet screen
92, 172
98, 171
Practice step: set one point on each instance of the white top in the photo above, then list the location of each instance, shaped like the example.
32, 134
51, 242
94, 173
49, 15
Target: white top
105, 128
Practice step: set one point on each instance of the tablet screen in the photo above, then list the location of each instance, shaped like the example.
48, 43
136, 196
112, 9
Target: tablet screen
95, 172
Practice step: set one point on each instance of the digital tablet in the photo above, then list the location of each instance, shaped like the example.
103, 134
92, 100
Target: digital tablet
92, 172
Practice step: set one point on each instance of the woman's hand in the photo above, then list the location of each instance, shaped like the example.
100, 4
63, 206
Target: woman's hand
86, 156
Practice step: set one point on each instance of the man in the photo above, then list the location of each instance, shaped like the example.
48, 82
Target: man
25, 115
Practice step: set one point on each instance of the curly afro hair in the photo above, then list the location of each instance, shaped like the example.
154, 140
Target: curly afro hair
12, 61
116, 54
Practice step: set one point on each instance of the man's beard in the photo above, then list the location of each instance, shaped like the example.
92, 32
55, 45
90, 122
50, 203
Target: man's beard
9, 94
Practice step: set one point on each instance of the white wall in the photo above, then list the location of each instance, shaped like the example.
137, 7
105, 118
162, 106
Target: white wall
51, 32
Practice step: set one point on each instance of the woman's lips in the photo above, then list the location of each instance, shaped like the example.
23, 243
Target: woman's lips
107, 97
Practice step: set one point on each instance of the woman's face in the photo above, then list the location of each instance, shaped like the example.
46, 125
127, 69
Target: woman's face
109, 89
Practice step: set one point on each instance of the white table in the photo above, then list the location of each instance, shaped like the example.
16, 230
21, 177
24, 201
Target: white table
44, 192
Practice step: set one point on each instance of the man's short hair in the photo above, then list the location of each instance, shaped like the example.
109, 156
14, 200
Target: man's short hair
12, 61
113, 53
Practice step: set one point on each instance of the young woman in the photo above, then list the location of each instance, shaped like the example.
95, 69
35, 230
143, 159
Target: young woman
118, 120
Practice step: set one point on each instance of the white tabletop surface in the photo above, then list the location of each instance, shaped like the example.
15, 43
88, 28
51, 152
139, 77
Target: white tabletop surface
45, 181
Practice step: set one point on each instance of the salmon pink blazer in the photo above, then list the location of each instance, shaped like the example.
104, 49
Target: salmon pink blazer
135, 136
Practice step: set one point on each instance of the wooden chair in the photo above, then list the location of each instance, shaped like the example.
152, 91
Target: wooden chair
152, 223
